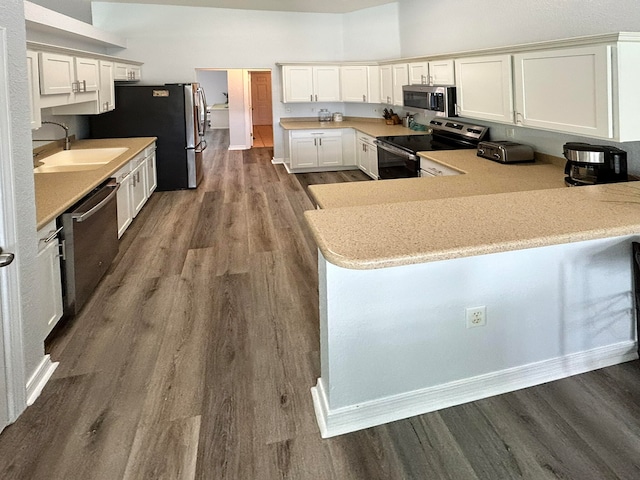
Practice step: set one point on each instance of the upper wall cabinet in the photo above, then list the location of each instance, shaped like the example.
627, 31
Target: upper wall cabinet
359, 83
392, 79
386, 84
485, 88
125, 72
303, 83
567, 90
437, 72
107, 94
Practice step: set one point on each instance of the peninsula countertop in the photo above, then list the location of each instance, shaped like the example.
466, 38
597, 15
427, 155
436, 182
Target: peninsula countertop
56, 192
396, 234
479, 176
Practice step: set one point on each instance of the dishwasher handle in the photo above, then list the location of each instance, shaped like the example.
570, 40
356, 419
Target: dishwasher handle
83, 214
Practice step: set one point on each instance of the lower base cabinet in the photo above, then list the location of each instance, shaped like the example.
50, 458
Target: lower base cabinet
137, 180
368, 155
49, 281
321, 148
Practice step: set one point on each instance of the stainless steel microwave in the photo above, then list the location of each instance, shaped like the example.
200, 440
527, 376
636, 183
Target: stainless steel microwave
434, 99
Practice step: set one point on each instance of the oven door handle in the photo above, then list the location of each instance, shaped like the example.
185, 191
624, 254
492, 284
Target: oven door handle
396, 151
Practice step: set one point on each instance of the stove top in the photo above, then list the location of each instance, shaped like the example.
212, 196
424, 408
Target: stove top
447, 134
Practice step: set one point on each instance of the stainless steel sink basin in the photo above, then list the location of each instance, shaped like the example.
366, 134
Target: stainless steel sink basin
79, 159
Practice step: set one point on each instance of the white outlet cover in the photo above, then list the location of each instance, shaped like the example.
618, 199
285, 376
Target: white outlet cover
476, 316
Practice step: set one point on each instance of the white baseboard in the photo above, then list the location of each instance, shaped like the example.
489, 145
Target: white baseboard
239, 147
40, 378
277, 161
384, 410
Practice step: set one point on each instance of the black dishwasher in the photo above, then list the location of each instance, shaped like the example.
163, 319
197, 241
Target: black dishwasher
90, 235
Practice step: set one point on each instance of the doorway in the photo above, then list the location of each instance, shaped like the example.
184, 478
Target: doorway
261, 108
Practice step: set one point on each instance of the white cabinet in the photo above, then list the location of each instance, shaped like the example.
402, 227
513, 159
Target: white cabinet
137, 181
57, 75
436, 72
485, 88
150, 163
400, 78
386, 84
368, 155
34, 89
106, 94
442, 72
124, 201
87, 74
419, 73
49, 282
67, 82
127, 72
302, 83
315, 148
567, 90
360, 84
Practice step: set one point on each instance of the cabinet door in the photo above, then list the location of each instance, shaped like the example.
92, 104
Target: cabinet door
372, 153
329, 150
49, 282
441, 72
87, 74
120, 71
57, 73
152, 180
418, 73
355, 83
567, 90
34, 89
386, 84
326, 84
304, 152
297, 83
485, 88
138, 189
363, 157
135, 72
124, 198
106, 94
400, 78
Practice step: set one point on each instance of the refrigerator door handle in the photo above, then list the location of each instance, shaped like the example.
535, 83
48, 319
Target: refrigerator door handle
201, 147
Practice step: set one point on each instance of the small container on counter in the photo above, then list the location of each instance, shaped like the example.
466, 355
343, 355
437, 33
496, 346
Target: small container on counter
337, 117
324, 115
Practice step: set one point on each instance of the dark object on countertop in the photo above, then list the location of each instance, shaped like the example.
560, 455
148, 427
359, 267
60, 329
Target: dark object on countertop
593, 164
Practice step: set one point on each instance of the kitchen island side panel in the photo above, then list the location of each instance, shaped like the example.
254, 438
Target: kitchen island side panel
394, 331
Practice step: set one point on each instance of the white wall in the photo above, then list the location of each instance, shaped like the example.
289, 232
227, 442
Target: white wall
372, 33
214, 83
443, 26
12, 19
174, 41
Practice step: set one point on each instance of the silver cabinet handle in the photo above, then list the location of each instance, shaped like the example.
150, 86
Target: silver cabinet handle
364, 98
316, 98
311, 97
320, 141
84, 85
6, 258
52, 236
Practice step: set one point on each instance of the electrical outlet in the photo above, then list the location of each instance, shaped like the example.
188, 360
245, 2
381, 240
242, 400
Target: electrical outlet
476, 316
510, 132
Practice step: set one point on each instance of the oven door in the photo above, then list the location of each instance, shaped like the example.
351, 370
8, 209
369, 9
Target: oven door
394, 162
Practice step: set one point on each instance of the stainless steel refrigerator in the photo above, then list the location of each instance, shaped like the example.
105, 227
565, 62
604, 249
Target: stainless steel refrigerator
175, 113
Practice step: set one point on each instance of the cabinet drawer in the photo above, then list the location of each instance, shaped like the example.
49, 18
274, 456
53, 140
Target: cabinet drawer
312, 133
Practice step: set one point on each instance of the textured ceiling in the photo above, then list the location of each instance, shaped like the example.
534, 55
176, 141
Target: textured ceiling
317, 6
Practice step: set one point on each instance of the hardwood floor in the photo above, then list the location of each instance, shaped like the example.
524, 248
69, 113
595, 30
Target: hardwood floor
195, 356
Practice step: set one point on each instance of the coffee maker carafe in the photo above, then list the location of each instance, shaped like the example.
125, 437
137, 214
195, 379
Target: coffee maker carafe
593, 164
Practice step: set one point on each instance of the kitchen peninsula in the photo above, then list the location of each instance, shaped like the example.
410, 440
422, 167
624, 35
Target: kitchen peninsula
551, 265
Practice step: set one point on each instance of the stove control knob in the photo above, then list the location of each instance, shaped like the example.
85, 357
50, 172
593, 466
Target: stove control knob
481, 151
496, 155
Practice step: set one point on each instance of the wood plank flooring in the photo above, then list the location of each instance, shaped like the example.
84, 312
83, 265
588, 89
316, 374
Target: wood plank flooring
195, 356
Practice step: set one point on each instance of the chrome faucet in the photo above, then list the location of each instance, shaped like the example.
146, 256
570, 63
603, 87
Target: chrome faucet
67, 142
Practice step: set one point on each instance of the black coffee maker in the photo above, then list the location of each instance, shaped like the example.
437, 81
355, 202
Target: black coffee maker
593, 164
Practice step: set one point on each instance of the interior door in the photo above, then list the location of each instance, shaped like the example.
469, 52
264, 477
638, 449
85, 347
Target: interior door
261, 98
4, 394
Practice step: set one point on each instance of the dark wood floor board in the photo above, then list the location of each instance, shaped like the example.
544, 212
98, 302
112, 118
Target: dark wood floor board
261, 230
536, 433
234, 177
165, 451
226, 430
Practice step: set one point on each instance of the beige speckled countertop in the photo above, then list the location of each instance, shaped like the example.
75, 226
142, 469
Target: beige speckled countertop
375, 127
56, 192
481, 176
395, 234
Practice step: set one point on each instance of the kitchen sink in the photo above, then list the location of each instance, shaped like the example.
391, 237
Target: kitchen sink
78, 160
